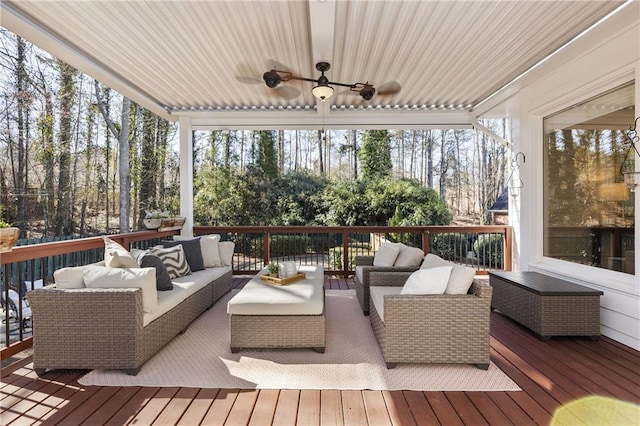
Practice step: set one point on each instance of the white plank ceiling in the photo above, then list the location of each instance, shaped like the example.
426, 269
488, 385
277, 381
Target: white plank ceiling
177, 57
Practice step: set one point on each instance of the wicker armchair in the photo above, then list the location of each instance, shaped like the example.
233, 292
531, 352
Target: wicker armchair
433, 328
363, 279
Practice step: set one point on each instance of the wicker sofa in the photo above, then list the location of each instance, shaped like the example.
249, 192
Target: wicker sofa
364, 278
106, 328
441, 328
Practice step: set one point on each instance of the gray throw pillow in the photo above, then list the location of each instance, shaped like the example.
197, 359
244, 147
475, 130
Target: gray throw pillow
163, 280
192, 252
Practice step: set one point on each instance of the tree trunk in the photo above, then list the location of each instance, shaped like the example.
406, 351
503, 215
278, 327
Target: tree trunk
125, 171
23, 97
63, 225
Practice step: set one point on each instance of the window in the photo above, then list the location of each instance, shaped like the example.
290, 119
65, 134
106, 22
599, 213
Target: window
589, 215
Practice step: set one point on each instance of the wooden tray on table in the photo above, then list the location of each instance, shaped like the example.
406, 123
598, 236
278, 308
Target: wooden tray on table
282, 281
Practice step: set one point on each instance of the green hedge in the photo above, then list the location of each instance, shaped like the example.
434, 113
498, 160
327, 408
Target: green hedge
450, 246
488, 249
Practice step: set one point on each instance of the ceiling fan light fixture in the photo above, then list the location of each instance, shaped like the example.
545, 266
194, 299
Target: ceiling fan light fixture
322, 91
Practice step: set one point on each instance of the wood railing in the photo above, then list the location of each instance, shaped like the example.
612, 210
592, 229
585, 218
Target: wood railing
26, 267
485, 248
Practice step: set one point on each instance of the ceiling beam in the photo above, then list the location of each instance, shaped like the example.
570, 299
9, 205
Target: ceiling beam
322, 16
260, 120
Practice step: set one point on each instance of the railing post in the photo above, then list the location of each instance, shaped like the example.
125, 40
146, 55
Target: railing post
425, 241
266, 255
508, 249
345, 252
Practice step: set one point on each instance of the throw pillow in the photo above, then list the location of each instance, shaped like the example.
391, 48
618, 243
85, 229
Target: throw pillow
226, 249
460, 280
386, 254
143, 278
431, 261
409, 256
192, 252
69, 277
427, 281
174, 259
116, 256
209, 248
163, 279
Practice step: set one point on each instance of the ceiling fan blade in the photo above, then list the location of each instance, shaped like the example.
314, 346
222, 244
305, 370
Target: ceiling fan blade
389, 88
288, 92
248, 80
247, 74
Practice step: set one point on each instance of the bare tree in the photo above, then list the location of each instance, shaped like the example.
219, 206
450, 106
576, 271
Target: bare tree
122, 136
63, 225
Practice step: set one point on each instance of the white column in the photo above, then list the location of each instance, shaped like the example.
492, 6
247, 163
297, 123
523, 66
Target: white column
186, 176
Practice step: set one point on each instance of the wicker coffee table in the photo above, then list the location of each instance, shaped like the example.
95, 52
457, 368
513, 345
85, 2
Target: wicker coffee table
264, 315
547, 305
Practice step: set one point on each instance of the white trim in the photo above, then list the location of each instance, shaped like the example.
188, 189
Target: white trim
186, 176
366, 119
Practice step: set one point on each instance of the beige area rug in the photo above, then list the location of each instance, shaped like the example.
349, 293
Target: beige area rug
352, 360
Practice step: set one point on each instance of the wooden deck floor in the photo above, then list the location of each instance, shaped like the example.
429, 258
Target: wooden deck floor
550, 374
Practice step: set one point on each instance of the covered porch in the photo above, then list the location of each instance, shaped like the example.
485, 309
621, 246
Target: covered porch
434, 64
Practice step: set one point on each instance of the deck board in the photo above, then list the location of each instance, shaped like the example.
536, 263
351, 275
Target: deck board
287, 407
550, 373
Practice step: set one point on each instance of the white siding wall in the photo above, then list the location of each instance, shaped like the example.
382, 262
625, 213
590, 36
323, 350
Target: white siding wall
599, 61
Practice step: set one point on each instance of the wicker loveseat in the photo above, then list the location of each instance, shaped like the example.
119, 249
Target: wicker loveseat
443, 328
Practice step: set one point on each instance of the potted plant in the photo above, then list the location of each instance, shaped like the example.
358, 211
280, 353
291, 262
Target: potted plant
273, 269
153, 218
8, 236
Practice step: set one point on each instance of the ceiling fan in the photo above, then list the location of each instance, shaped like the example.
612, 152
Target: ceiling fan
323, 90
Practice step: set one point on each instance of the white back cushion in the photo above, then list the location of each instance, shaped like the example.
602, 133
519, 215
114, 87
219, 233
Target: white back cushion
226, 252
209, 248
69, 277
386, 254
116, 256
427, 281
143, 278
460, 280
409, 256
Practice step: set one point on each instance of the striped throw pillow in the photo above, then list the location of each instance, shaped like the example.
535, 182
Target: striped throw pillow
174, 259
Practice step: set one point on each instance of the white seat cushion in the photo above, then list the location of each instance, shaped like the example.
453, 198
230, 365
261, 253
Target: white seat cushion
377, 297
305, 297
359, 273
199, 279
167, 300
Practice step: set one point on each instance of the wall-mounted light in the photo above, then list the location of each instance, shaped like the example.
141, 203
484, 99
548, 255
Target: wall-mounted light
628, 167
516, 186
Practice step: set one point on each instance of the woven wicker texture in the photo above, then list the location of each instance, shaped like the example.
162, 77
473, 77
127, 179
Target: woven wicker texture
102, 328
435, 328
369, 279
277, 331
548, 315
